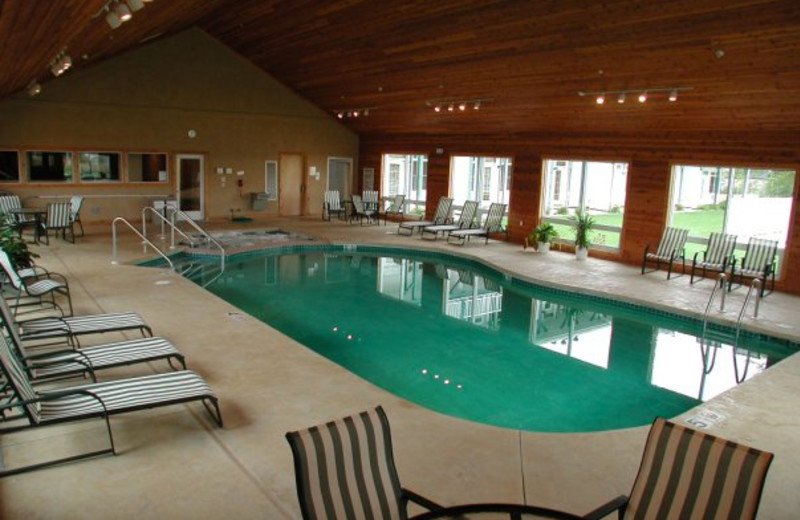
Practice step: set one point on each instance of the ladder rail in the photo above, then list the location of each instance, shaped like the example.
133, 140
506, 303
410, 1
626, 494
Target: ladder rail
720, 284
144, 239
164, 220
200, 230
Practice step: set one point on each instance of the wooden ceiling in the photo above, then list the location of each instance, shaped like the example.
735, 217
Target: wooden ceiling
527, 59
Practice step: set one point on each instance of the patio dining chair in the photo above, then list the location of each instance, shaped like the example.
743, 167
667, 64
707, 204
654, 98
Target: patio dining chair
371, 200
345, 469
362, 213
442, 216
395, 209
670, 249
59, 218
35, 408
493, 224
717, 256
685, 473
466, 220
332, 205
758, 262
76, 203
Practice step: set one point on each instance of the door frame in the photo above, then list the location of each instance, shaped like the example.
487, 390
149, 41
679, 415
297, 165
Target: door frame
194, 215
303, 183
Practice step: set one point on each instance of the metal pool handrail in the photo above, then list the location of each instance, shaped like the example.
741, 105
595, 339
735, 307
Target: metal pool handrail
164, 220
202, 231
720, 284
144, 238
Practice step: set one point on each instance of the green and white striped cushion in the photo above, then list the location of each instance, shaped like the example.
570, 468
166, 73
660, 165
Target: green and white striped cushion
689, 474
86, 324
345, 469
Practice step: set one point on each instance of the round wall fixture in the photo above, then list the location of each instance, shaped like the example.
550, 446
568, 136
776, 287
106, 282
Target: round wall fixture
192, 134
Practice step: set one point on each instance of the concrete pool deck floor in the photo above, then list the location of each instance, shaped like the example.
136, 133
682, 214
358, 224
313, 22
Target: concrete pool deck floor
172, 463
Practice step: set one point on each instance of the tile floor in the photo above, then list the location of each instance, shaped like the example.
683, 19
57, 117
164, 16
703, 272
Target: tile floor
174, 464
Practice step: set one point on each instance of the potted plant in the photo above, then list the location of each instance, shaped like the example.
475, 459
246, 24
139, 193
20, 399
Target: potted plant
584, 223
543, 236
15, 246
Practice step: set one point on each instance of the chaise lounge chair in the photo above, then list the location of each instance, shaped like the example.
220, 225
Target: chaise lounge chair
335, 463
670, 249
38, 290
442, 216
70, 362
493, 224
717, 256
465, 221
96, 400
758, 262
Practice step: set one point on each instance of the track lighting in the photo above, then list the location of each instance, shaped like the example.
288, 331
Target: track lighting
112, 19
135, 5
341, 113
123, 12
643, 94
451, 104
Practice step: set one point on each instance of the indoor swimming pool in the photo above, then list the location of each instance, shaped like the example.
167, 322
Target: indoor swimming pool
457, 337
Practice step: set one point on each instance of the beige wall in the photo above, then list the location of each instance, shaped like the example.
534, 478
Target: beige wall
148, 100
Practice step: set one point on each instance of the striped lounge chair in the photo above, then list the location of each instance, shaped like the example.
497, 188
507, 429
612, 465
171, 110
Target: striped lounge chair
758, 262
96, 400
493, 224
84, 362
335, 462
685, 473
717, 256
465, 221
76, 203
37, 289
670, 249
70, 329
332, 205
361, 212
442, 216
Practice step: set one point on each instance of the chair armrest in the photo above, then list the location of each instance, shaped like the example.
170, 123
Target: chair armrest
421, 500
616, 504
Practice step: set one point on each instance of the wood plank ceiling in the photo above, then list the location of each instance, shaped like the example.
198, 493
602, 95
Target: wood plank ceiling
527, 60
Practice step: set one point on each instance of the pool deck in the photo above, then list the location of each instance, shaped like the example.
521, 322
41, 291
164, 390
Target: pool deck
173, 464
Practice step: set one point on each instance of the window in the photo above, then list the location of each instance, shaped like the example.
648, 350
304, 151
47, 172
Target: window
147, 167
597, 188
485, 179
406, 175
9, 166
99, 166
49, 166
271, 179
746, 202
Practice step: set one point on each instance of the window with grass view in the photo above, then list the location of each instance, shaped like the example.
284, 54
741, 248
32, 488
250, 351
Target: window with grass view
595, 187
746, 202
406, 175
99, 166
484, 179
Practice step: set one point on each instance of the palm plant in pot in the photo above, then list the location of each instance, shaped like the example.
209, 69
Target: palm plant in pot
584, 224
543, 236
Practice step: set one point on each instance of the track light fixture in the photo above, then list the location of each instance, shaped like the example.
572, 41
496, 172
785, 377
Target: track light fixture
117, 12
33, 88
450, 105
643, 94
341, 113
61, 63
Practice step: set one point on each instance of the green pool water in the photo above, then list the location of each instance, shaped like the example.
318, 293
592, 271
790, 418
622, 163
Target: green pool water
459, 338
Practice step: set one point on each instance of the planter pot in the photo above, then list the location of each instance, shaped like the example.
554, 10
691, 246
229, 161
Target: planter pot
543, 247
581, 253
